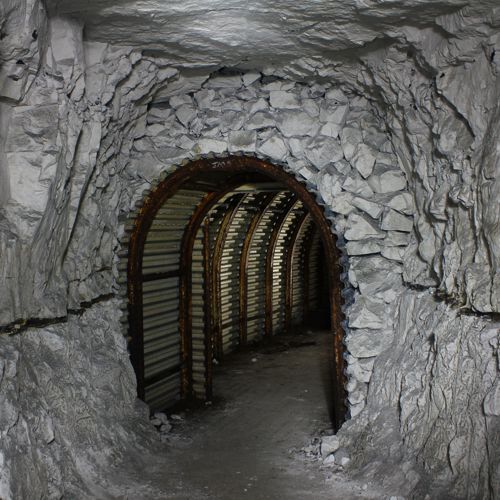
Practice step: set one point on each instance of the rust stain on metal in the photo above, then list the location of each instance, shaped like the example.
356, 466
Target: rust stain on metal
278, 224
307, 253
220, 240
245, 252
207, 313
185, 296
289, 271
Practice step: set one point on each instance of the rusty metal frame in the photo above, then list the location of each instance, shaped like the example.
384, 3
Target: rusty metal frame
207, 313
305, 276
289, 271
337, 317
271, 247
185, 296
245, 252
220, 240
232, 165
152, 204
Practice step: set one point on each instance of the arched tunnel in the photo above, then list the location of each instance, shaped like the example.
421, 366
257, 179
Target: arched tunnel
249, 249
224, 253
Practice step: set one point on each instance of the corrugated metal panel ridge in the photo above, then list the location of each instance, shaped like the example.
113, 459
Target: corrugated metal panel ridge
161, 298
314, 270
230, 273
279, 267
256, 283
298, 274
217, 266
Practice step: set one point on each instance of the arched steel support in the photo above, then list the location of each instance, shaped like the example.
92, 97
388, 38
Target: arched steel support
289, 271
227, 169
245, 252
216, 268
286, 210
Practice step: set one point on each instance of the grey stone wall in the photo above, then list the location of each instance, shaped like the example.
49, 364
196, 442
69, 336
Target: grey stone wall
329, 139
440, 101
70, 425
67, 144
436, 389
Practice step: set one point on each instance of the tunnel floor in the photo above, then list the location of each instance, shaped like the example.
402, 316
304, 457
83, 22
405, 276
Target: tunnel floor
269, 403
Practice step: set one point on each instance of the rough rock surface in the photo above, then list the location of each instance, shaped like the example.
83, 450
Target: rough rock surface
444, 405
70, 424
396, 130
269, 33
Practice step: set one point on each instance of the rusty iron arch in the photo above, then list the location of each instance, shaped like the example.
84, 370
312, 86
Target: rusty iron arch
243, 272
228, 172
216, 264
269, 263
289, 271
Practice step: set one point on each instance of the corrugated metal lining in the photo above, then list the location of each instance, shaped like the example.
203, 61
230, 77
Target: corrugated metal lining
298, 275
229, 274
198, 327
260, 210
221, 272
313, 265
279, 261
202, 289
256, 269
182, 241
160, 298
248, 235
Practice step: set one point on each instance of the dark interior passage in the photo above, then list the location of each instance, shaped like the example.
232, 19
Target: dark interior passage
255, 440
227, 260
318, 302
268, 401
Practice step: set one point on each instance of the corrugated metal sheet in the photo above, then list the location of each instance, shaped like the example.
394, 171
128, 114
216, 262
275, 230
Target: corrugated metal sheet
199, 368
216, 261
222, 271
279, 267
230, 272
313, 274
202, 286
194, 293
256, 283
298, 275
160, 295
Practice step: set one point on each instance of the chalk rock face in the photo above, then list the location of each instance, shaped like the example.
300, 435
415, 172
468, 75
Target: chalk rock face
228, 32
55, 176
416, 383
67, 396
451, 251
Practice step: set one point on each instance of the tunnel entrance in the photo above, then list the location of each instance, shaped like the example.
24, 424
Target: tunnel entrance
225, 252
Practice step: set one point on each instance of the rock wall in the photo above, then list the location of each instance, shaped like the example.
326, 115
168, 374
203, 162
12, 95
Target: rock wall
66, 147
331, 140
400, 147
444, 405
443, 114
70, 425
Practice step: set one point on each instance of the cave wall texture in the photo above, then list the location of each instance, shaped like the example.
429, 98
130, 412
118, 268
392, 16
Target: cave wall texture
395, 129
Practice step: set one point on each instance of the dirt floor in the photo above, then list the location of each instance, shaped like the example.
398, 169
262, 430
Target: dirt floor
269, 404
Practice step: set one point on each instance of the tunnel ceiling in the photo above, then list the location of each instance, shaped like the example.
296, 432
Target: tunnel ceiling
236, 33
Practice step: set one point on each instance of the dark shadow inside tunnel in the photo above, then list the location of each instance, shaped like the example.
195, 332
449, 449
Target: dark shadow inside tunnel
226, 253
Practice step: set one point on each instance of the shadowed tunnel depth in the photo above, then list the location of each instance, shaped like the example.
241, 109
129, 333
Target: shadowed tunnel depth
225, 252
